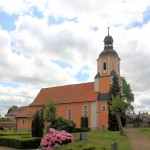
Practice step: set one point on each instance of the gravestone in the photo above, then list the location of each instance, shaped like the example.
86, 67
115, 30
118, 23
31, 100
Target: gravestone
83, 136
15, 130
114, 146
4, 130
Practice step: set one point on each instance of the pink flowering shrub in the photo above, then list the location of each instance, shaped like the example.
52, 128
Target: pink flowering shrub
54, 138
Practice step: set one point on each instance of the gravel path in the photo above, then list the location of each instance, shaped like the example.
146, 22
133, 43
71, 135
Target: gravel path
138, 140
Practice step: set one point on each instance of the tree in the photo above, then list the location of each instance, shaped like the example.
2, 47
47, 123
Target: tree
42, 117
127, 92
37, 125
50, 114
3, 119
117, 108
12, 108
114, 90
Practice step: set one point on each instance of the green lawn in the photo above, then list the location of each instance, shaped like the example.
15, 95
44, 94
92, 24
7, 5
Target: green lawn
146, 132
100, 139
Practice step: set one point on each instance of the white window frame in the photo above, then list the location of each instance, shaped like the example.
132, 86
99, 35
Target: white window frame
69, 114
103, 106
24, 121
85, 111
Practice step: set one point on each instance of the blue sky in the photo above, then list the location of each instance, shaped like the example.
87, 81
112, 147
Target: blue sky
7, 21
46, 44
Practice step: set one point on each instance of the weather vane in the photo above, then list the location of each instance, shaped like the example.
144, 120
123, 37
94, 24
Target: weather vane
108, 27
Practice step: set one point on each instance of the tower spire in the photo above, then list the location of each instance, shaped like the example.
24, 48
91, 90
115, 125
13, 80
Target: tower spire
108, 41
108, 27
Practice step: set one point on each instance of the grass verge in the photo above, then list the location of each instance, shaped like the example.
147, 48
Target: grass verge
98, 140
145, 131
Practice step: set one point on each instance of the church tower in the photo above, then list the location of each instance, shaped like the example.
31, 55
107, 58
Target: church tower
108, 65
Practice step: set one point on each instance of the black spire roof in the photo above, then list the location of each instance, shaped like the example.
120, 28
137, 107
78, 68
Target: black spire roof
108, 41
108, 46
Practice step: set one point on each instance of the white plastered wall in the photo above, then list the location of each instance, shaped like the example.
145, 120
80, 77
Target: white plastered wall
96, 85
94, 115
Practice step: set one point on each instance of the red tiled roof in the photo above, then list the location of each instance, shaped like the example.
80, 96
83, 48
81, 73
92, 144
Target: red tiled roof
28, 111
83, 92
12, 113
16, 111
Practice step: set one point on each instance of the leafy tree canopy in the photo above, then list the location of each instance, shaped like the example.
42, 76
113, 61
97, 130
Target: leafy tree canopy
50, 114
3, 119
12, 108
127, 93
114, 91
117, 108
118, 105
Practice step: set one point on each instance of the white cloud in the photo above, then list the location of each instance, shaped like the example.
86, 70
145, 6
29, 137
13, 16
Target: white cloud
17, 7
20, 96
29, 53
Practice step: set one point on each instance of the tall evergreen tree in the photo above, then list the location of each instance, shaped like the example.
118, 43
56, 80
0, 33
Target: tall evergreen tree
37, 125
114, 91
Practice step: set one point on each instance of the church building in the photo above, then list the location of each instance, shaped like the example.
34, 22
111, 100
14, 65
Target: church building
80, 100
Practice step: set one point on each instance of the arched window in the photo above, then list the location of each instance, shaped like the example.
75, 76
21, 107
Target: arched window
69, 114
103, 108
85, 111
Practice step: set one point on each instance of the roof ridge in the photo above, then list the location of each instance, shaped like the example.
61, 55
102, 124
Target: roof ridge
66, 85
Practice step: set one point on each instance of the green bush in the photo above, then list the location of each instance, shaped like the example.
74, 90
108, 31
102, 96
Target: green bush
60, 124
20, 142
84, 122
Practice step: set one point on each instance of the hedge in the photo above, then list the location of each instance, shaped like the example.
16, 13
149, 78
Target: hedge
84, 122
12, 133
20, 142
